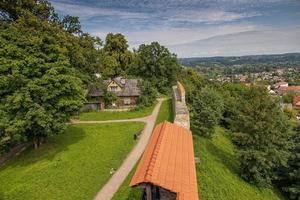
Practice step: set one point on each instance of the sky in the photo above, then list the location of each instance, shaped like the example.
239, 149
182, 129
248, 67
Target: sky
194, 28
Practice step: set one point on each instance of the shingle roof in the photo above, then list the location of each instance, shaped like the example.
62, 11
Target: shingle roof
168, 162
129, 88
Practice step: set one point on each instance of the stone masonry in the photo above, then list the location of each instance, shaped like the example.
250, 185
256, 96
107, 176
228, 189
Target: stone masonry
181, 113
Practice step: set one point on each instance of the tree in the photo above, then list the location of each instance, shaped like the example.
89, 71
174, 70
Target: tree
116, 58
156, 64
109, 98
288, 98
72, 24
38, 87
207, 109
148, 94
11, 10
289, 179
262, 136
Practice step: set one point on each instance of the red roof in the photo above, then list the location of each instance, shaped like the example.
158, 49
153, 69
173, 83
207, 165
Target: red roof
168, 162
291, 88
296, 101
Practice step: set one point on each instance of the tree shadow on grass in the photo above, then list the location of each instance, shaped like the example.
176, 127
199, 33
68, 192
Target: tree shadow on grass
55, 144
224, 157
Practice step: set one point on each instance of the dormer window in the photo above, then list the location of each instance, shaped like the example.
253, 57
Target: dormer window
114, 88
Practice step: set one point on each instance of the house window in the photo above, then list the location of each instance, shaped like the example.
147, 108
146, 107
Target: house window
126, 100
114, 88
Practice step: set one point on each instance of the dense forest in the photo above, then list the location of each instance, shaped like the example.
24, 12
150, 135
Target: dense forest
287, 59
47, 63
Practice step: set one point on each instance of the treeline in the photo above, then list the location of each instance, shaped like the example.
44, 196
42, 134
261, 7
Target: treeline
287, 59
47, 63
266, 137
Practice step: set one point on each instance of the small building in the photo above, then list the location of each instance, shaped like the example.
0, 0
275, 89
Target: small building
296, 102
126, 90
166, 170
281, 84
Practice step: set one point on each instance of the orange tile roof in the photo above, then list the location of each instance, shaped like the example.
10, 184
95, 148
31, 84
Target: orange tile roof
291, 88
168, 162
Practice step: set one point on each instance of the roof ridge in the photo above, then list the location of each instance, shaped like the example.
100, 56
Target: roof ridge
155, 152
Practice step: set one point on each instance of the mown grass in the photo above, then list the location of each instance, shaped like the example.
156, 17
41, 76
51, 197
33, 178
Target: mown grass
165, 112
218, 173
109, 115
125, 192
73, 165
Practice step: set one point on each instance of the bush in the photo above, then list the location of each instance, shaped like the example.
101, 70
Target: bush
207, 109
148, 94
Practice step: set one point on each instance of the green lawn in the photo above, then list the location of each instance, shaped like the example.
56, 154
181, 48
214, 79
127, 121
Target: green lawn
73, 165
125, 192
108, 115
218, 171
165, 112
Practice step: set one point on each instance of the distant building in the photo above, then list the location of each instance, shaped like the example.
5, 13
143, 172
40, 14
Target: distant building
285, 90
281, 84
126, 90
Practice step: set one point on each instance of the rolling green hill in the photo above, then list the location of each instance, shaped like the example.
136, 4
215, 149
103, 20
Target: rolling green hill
218, 171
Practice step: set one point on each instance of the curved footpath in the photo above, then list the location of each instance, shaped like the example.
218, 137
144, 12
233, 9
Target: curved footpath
113, 184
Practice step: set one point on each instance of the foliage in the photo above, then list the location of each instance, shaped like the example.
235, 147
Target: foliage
148, 94
289, 180
73, 165
288, 98
12, 10
109, 98
115, 56
38, 86
206, 112
218, 171
261, 135
156, 64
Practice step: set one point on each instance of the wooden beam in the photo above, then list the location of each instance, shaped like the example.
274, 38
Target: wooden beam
149, 192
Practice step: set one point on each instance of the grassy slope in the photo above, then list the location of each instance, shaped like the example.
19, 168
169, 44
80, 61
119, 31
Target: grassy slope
218, 171
125, 192
73, 165
107, 115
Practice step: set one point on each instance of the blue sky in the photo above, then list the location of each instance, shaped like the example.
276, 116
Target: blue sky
193, 28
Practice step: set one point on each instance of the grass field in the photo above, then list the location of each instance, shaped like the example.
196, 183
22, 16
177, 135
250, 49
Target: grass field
165, 112
218, 171
73, 165
108, 115
125, 192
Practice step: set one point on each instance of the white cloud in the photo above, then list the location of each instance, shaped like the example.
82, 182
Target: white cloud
210, 16
87, 12
176, 36
244, 43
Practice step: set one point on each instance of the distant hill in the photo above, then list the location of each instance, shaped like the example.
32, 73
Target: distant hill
288, 58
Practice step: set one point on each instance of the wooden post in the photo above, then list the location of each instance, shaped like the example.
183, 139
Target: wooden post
148, 192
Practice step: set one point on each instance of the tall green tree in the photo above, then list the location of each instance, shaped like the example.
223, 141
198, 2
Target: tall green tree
156, 64
11, 10
39, 88
116, 58
207, 110
289, 176
262, 136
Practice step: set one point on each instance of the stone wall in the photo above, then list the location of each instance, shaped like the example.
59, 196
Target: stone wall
181, 113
